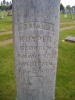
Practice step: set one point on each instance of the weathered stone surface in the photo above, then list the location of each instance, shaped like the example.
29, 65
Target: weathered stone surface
35, 39
70, 39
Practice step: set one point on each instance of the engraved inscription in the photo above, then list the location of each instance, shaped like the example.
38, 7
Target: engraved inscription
35, 38
35, 41
30, 64
38, 25
35, 47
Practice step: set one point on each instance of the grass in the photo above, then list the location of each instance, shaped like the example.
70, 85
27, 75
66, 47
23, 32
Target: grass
67, 24
5, 37
6, 23
65, 33
68, 19
7, 85
65, 79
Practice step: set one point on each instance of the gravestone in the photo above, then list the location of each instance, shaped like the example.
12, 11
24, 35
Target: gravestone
9, 13
70, 39
71, 14
35, 44
2, 16
61, 10
65, 15
73, 10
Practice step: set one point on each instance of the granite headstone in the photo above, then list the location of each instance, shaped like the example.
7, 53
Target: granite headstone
35, 44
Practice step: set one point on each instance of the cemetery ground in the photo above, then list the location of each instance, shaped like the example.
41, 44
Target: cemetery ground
65, 79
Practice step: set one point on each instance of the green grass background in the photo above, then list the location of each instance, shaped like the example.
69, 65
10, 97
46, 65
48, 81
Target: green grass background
5, 36
68, 19
65, 80
67, 24
7, 84
6, 23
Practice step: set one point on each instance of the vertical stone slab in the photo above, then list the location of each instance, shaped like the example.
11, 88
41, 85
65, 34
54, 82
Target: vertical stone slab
71, 14
65, 15
35, 40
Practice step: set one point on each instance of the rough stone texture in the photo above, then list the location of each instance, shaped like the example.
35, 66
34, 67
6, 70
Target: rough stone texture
70, 39
35, 39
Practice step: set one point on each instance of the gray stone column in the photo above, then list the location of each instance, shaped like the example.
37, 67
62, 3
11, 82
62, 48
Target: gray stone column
35, 44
